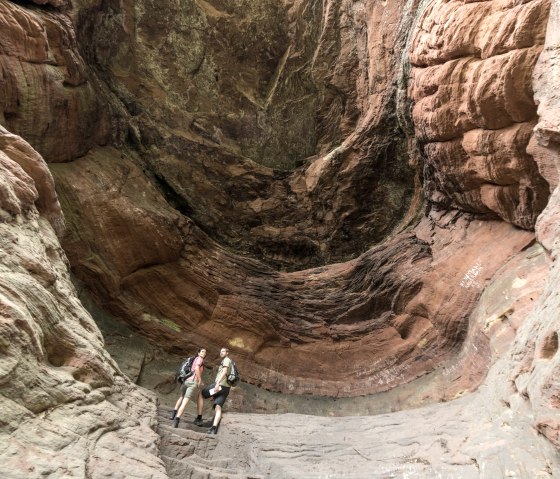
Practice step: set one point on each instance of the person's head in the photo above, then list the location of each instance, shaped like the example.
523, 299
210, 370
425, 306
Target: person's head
224, 352
201, 352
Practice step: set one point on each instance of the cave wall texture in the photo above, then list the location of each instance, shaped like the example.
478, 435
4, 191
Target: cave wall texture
351, 195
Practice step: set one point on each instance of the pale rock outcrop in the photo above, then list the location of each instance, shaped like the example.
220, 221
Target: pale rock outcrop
66, 410
538, 374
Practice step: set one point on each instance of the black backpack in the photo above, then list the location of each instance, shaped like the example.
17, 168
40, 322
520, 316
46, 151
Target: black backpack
233, 376
184, 371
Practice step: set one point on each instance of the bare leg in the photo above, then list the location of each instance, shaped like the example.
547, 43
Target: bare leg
178, 403
200, 403
182, 408
217, 416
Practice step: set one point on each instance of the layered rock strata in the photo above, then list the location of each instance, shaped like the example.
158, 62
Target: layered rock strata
195, 224
396, 297
176, 279
403, 305
47, 98
212, 107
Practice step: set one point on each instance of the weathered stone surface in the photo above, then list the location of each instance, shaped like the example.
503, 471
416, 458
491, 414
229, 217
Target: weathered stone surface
118, 192
473, 105
47, 97
487, 434
251, 304
213, 106
537, 378
395, 301
66, 410
16, 151
165, 230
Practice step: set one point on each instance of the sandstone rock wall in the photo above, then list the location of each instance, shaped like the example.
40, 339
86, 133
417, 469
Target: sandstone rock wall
325, 187
406, 302
151, 231
47, 97
539, 371
474, 110
66, 410
217, 93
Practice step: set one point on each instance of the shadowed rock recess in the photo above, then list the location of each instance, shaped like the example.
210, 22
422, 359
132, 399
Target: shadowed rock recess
358, 198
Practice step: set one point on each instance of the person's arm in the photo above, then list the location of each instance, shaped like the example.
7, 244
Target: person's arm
198, 373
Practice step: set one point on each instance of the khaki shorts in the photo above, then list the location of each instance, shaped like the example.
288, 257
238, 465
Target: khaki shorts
189, 388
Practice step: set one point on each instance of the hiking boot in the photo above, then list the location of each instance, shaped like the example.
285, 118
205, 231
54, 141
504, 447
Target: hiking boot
176, 422
198, 421
213, 430
173, 414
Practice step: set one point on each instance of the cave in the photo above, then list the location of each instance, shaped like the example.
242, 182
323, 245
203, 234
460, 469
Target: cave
358, 199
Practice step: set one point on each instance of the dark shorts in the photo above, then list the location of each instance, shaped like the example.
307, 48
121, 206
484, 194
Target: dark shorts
218, 399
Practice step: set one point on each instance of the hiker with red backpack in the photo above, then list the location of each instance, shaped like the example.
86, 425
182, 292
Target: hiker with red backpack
190, 378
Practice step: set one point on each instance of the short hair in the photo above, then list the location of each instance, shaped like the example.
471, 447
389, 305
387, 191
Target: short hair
227, 350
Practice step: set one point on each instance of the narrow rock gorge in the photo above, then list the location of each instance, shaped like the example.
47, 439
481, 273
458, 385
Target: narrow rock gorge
358, 198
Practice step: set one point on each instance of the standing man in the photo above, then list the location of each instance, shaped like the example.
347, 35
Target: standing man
220, 397
188, 388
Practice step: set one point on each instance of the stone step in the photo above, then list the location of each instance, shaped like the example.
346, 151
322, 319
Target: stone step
178, 446
189, 452
196, 467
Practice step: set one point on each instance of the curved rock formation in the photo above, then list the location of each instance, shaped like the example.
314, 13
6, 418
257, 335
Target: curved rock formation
391, 307
278, 321
47, 99
343, 192
209, 130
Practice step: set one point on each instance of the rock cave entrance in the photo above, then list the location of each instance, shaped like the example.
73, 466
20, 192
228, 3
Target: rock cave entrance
308, 183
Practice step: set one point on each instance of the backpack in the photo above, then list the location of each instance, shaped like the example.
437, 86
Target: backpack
184, 371
233, 376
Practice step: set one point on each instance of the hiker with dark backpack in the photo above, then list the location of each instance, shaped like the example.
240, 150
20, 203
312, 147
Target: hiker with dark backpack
227, 376
190, 378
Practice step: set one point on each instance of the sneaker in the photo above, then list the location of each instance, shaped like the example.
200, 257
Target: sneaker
213, 430
173, 414
198, 421
176, 422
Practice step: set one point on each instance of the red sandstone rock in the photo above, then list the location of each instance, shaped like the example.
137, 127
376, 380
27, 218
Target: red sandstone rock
472, 73
394, 302
48, 99
402, 306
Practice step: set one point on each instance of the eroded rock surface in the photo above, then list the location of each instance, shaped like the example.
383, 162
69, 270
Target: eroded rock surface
391, 297
474, 110
66, 410
443, 440
215, 106
342, 192
47, 98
